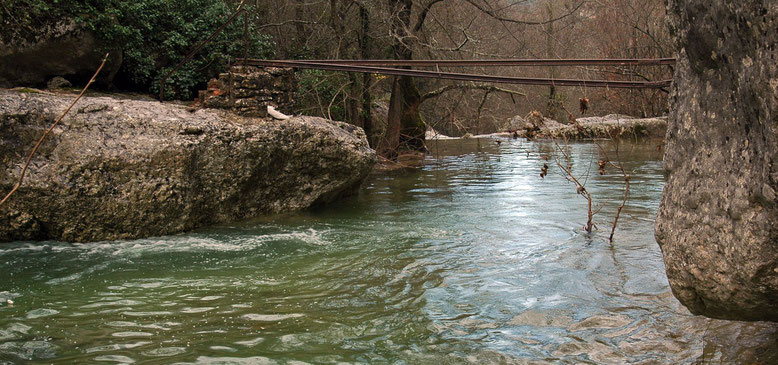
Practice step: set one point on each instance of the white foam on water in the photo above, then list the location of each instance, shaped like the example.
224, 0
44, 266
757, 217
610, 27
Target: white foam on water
254, 360
5, 296
41, 312
270, 317
211, 297
118, 346
120, 302
115, 358
223, 348
131, 334
190, 310
251, 343
170, 244
164, 351
147, 314
78, 275
124, 324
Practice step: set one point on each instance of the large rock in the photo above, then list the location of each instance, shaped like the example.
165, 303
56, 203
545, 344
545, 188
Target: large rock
64, 50
718, 220
608, 126
119, 169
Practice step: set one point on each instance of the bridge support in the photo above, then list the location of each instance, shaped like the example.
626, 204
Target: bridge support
248, 90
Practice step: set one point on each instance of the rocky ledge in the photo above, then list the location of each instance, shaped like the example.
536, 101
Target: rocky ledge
609, 126
123, 169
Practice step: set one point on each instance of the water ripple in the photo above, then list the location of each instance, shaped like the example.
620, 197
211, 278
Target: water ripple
473, 259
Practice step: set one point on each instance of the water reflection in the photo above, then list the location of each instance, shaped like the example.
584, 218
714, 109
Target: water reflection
473, 259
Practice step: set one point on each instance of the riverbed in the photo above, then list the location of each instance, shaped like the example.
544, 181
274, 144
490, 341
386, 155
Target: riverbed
473, 258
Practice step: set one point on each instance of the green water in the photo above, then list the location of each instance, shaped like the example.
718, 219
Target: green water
472, 259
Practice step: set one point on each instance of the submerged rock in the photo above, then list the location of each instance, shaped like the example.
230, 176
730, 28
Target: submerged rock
718, 219
121, 169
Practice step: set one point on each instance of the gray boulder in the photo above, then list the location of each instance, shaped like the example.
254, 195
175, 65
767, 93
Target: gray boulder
718, 219
533, 121
122, 169
58, 82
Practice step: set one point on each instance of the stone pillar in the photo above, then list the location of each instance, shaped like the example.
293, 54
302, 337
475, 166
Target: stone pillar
718, 220
248, 90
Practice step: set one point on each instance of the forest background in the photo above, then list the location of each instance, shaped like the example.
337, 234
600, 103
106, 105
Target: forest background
155, 35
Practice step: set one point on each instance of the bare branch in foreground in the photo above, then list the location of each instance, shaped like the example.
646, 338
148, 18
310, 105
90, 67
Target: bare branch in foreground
48, 131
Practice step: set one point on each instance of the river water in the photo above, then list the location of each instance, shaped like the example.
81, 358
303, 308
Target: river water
472, 259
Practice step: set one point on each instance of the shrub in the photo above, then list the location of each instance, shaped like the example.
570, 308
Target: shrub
154, 36
321, 93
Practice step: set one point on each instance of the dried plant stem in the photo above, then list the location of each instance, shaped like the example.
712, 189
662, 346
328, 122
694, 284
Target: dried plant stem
580, 188
48, 131
621, 206
568, 174
626, 176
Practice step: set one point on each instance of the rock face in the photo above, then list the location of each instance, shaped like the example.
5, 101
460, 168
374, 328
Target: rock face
718, 220
120, 169
64, 50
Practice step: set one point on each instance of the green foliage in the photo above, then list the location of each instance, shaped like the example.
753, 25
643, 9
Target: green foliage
154, 36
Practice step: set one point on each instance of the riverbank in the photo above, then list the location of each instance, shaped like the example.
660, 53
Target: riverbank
535, 125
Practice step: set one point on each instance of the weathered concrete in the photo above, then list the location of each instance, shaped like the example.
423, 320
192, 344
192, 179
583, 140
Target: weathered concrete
119, 169
718, 220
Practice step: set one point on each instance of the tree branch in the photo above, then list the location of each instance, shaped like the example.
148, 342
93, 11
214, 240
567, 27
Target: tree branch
487, 88
48, 131
496, 16
423, 16
290, 21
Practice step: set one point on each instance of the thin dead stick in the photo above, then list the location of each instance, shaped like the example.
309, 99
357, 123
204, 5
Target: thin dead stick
618, 210
626, 176
46, 133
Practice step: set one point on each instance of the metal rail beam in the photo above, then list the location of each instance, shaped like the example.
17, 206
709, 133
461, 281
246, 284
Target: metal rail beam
499, 62
458, 76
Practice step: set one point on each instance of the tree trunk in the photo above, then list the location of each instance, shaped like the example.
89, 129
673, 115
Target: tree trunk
367, 101
552, 105
299, 14
405, 127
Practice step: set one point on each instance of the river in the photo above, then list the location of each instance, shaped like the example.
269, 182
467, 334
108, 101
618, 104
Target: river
472, 259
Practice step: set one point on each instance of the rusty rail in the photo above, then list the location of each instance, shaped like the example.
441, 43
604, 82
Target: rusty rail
334, 66
498, 62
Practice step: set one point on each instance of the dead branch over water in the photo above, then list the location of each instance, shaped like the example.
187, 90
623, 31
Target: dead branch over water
564, 164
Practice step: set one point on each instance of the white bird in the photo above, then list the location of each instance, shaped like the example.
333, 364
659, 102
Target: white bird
10, 302
276, 114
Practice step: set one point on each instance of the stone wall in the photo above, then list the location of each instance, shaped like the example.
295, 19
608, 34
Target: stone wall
248, 90
718, 219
